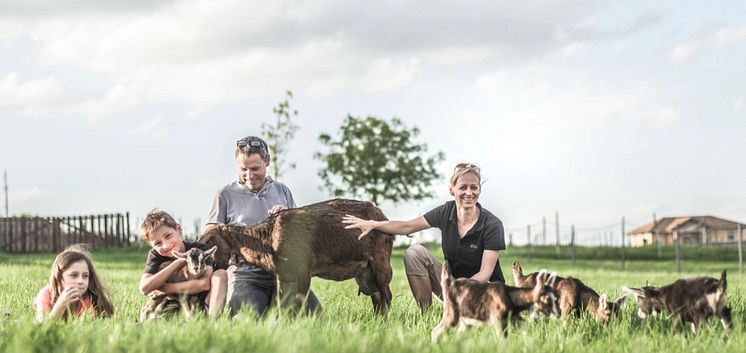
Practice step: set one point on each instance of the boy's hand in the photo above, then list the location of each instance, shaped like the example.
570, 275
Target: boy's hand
156, 294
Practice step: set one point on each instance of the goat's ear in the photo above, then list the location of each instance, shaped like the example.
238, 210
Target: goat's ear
637, 292
619, 301
552, 279
723, 285
211, 251
517, 266
179, 255
603, 301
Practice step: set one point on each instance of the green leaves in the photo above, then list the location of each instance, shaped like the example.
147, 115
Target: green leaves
377, 159
280, 133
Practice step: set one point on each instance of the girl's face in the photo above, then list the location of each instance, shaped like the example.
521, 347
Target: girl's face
466, 191
76, 276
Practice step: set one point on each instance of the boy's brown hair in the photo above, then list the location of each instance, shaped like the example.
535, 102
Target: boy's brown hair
154, 220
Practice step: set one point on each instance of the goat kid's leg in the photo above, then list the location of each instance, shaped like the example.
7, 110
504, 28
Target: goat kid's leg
726, 320
450, 318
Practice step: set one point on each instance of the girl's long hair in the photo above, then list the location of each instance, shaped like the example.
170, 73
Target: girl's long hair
97, 290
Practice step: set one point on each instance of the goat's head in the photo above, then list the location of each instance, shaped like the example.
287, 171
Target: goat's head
196, 259
607, 309
545, 296
648, 300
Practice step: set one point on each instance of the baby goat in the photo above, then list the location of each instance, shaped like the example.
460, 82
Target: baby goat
468, 302
196, 263
692, 300
574, 296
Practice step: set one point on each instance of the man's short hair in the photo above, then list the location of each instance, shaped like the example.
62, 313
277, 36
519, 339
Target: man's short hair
252, 145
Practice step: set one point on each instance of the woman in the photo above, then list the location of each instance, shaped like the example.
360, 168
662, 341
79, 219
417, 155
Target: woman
471, 237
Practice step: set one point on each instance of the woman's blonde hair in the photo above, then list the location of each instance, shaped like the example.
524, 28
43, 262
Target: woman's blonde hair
99, 294
463, 168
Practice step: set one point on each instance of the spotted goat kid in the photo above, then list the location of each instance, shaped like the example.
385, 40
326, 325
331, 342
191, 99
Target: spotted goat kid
468, 302
692, 300
196, 263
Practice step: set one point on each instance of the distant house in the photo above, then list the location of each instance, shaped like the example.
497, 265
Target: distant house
702, 230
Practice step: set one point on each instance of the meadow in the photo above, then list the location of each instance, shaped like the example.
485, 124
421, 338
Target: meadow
348, 324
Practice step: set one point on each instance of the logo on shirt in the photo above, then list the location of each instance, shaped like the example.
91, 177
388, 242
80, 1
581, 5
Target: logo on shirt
473, 246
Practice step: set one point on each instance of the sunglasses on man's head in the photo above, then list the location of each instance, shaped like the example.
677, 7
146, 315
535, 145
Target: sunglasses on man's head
251, 142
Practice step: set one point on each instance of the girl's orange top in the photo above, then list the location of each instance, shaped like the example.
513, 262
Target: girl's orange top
44, 299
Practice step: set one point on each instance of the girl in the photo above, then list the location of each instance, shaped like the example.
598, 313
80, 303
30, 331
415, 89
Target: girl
73, 288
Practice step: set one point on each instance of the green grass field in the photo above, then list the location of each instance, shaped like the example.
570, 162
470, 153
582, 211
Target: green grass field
348, 324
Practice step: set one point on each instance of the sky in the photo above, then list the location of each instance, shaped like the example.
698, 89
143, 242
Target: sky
594, 110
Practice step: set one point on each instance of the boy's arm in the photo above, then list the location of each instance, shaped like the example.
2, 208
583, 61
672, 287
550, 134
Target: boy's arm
150, 282
193, 286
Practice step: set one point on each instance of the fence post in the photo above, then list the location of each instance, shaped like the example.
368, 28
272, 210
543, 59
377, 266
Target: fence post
556, 233
740, 249
677, 243
530, 247
572, 242
128, 227
622, 242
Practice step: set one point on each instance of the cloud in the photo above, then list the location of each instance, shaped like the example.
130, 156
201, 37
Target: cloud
21, 196
152, 129
210, 184
667, 115
490, 83
711, 36
738, 103
34, 97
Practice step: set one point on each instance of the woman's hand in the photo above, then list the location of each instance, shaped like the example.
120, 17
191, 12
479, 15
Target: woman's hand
357, 223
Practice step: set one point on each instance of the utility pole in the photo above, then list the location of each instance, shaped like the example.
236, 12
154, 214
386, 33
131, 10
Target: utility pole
5, 179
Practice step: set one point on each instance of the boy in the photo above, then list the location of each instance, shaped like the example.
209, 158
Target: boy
163, 234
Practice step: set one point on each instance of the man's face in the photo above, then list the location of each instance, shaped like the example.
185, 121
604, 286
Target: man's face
252, 170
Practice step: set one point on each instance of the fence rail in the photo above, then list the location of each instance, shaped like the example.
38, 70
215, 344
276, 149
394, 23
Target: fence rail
52, 234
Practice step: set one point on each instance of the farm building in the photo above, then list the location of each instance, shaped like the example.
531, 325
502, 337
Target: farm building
701, 230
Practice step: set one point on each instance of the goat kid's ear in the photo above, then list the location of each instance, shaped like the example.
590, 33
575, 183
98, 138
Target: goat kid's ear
179, 255
552, 279
211, 251
603, 301
619, 301
637, 292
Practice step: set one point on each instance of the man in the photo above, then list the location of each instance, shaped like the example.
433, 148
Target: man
247, 201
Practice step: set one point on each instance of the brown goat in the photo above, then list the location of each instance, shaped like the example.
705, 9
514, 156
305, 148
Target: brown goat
692, 300
574, 296
468, 302
296, 244
196, 263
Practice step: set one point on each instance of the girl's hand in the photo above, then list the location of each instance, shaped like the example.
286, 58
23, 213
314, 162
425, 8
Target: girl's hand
70, 295
357, 223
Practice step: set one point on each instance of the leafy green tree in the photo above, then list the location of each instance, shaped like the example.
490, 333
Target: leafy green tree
280, 133
377, 159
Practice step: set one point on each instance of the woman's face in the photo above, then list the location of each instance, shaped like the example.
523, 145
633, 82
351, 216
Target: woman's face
466, 191
76, 276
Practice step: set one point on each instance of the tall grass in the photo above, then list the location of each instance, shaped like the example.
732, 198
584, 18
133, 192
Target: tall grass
348, 324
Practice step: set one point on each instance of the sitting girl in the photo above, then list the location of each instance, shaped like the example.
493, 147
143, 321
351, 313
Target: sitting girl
73, 289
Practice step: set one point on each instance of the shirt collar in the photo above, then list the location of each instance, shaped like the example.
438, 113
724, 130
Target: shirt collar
480, 221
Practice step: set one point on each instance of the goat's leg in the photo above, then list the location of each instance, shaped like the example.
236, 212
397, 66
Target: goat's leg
725, 319
450, 318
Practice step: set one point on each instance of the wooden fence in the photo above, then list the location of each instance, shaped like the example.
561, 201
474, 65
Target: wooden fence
53, 234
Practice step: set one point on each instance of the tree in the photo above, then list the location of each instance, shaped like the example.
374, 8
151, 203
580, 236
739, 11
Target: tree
280, 133
377, 159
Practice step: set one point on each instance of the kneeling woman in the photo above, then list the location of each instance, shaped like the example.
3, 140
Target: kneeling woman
471, 238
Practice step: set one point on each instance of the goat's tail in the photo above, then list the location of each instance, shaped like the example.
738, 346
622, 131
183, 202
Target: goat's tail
446, 279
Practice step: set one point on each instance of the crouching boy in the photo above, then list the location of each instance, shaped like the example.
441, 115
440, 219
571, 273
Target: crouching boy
163, 234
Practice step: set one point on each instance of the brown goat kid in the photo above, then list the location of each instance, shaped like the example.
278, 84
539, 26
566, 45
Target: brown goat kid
196, 263
468, 302
574, 296
299, 243
692, 300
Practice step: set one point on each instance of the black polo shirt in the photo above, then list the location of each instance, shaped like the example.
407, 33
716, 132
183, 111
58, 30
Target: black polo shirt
464, 255
155, 260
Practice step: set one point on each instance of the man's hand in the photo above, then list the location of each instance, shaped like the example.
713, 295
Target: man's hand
276, 208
